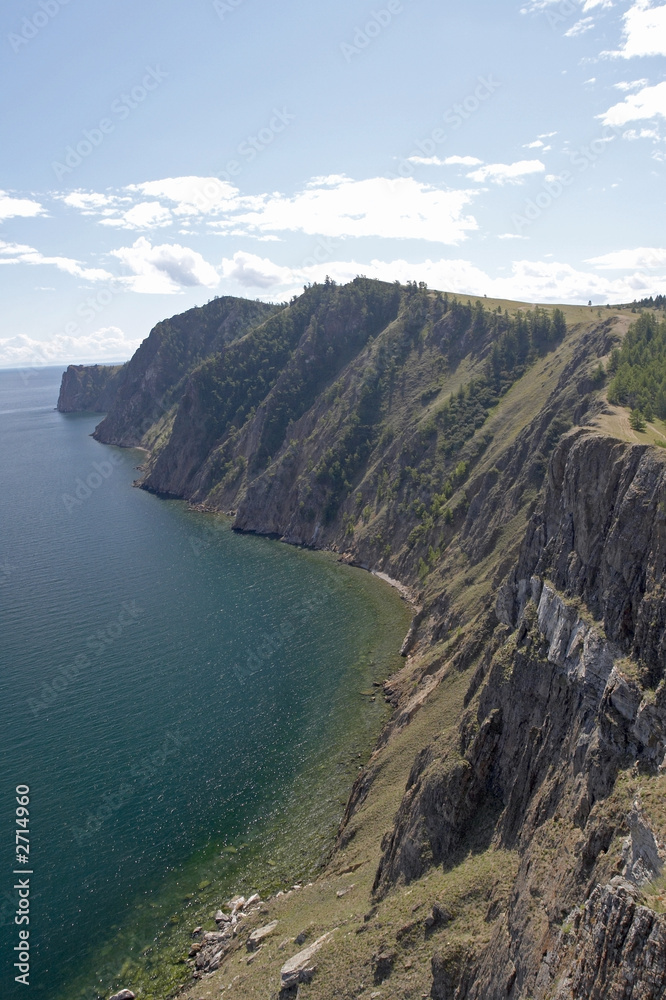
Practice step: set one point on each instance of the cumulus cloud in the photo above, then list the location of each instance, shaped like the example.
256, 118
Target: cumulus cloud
507, 173
338, 206
644, 31
640, 257
165, 269
107, 344
91, 202
19, 253
333, 205
11, 207
632, 134
252, 271
650, 102
529, 281
145, 215
192, 195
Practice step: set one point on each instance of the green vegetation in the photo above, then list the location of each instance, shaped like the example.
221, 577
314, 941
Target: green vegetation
292, 356
429, 472
638, 370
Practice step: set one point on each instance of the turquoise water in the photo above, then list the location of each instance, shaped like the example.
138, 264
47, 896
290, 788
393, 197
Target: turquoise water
165, 685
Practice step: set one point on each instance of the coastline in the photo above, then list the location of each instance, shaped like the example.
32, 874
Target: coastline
402, 588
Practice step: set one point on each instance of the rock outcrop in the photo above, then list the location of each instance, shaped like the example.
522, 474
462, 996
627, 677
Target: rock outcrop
89, 388
302, 967
600, 536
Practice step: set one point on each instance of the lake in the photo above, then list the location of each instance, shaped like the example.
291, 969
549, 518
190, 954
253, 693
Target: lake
187, 705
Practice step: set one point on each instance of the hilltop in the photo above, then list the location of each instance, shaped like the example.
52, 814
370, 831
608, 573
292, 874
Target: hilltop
506, 838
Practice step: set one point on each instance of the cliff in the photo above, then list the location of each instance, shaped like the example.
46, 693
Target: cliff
560, 753
506, 839
150, 384
90, 388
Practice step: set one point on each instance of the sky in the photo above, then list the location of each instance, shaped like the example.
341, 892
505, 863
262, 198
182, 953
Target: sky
158, 154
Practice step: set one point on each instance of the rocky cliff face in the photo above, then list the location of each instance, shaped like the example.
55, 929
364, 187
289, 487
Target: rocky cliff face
89, 388
606, 546
562, 728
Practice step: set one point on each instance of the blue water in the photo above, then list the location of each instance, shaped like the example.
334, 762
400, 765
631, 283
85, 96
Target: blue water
163, 681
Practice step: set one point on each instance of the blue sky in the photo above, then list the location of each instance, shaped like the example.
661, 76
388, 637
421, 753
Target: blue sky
156, 155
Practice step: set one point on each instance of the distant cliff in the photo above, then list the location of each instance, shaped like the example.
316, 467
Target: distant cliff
152, 381
91, 388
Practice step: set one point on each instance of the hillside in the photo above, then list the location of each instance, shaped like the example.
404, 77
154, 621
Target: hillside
506, 838
136, 394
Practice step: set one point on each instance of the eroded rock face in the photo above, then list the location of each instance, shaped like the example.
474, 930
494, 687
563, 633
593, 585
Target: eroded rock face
89, 388
554, 717
614, 948
600, 535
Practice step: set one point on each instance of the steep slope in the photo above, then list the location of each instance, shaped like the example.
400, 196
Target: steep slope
526, 854
140, 394
356, 417
506, 839
242, 402
91, 388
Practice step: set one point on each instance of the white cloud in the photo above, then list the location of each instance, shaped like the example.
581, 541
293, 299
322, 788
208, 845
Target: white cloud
450, 161
632, 134
252, 271
507, 173
145, 215
538, 6
649, 102
529, 281
165, 269
644, 31
11, 208
580, 27
621, 260
511, 236
338, 206
426, 161
90, 202
192, 195
463, 161
626, 85
19, 253
107, 344
334, 205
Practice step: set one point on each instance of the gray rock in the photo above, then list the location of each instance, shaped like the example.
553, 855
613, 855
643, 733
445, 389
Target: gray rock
257, 937
124, 995
301, 968
643, 855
